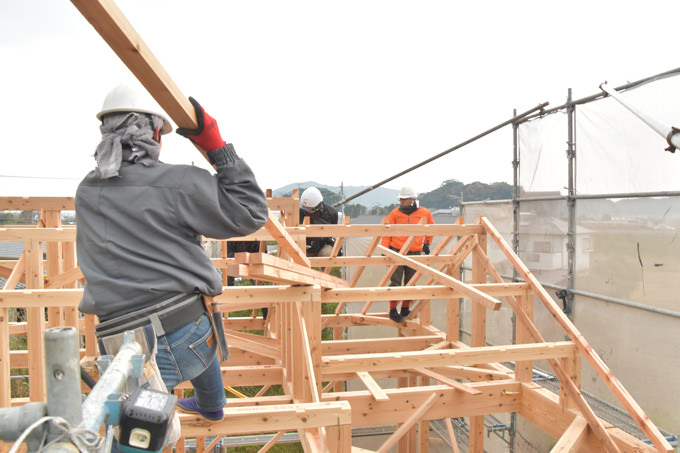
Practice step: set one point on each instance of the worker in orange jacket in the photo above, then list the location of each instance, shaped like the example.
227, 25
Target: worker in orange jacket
408, 212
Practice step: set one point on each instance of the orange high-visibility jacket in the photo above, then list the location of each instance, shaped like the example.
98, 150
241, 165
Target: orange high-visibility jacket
398, 217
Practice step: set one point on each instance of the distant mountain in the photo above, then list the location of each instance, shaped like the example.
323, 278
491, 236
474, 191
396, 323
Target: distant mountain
380, 196
446, 196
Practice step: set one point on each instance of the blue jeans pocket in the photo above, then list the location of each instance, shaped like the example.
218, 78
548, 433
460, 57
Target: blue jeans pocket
186, 353
204, 348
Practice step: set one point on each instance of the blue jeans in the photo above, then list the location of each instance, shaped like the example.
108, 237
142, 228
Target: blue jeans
190, 354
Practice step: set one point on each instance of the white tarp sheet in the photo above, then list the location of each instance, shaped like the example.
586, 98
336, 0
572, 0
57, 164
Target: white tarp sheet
615, 151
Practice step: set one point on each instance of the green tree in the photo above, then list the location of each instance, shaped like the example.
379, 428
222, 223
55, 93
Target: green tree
355, 210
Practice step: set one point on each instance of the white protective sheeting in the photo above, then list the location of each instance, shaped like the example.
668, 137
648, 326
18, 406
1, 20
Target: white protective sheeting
617, 152
543, 146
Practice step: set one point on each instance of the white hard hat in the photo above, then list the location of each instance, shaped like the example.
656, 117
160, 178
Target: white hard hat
131, 97
407, 192
311, 198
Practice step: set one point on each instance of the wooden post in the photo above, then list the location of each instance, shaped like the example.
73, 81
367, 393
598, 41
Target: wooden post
478, 311
423, 425
71, 317
53, 263
478, 340
524, 368
572, 366
35, 317
5, 380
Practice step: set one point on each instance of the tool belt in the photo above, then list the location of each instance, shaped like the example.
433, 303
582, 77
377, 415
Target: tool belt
165, 317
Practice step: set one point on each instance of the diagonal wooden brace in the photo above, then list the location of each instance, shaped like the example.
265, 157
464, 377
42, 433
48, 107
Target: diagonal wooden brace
476, 295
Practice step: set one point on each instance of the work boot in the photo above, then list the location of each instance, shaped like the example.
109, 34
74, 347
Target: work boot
190, 406
405, 311
395, 316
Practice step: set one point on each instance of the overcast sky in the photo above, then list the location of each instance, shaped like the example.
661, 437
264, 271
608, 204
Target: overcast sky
349, 92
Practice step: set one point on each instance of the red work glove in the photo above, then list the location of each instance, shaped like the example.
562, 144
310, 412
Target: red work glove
207, 134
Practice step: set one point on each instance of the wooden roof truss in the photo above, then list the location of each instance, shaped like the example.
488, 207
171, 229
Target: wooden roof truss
438, 376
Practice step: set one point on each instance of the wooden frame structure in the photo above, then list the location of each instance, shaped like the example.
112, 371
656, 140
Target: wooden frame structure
438, 375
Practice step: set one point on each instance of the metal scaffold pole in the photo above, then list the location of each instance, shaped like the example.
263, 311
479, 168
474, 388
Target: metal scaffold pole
571, 207
512, 120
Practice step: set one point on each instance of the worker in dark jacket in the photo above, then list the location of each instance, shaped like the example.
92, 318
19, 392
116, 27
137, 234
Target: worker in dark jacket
313, 206
139, 239
234, 247
408, 212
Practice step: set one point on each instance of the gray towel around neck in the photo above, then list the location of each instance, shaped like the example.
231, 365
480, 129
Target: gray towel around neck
129, 130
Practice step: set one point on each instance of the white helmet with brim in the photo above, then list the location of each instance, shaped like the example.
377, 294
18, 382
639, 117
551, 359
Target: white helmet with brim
407, 192
132, 97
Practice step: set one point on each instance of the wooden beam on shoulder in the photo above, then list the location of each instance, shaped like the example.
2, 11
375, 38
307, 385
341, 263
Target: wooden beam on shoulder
108, 20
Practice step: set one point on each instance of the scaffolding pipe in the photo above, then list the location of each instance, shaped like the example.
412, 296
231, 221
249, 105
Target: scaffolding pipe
515, 247
62, 376
571, 206
671, 134
604, 196
593, 97
443, 153
614, 300
112, 381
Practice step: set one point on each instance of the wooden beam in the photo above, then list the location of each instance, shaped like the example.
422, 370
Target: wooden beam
413, 229
541, 407
5, 379
23, 234
372, 386
17, 274
249, 419
286, 242
255, 343
119, 34
420, 292
573, 438
272, 442
454, 403
63, 279
41, 298
372, 345
36, 323
447, 381
263, 294
116, 30
427, 359
410, 422
452, 435
310, 350
337, 246
239, 376
37, 203
288, 268
469, 291
600, 367
369, 252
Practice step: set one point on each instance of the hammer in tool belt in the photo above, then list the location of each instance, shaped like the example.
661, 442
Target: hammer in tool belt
217, 321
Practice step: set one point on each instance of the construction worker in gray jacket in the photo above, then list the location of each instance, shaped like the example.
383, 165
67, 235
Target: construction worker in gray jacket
139, 239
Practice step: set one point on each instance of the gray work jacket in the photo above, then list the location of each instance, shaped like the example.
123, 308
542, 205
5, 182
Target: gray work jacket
139, 234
